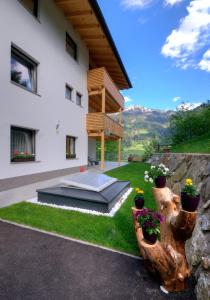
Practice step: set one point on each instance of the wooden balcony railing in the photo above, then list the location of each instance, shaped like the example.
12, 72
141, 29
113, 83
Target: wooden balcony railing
99, 78
98, 122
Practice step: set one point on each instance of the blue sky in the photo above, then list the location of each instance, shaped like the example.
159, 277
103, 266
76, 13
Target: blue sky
165, 46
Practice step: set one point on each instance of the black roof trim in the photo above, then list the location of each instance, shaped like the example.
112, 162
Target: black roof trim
100, 16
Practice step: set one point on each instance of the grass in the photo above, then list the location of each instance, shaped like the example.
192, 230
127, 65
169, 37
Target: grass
200, 144
136, 149
116, 233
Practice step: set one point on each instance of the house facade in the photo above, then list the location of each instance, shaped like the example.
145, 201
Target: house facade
60, 76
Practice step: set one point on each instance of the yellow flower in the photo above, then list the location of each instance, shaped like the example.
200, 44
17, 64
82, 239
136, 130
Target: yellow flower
137, 190
140, 191
189, 181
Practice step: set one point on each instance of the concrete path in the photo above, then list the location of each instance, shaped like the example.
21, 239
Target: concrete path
35, 265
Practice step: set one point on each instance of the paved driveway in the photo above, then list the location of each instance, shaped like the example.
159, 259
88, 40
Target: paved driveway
38, 266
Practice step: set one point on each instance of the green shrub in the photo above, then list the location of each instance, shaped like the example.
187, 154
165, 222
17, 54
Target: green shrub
149, 148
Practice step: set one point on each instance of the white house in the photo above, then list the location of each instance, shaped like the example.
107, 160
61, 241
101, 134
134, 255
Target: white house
60, 76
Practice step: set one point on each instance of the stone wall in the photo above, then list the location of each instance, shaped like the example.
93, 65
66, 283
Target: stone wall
196, 167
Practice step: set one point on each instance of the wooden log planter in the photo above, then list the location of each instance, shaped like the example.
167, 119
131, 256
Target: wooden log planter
166, 258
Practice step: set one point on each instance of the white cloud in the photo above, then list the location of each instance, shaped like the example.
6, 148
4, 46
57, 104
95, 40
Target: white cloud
204, 64
128, 99
188, 106
136, 4
177, 98
191, 36
173, 2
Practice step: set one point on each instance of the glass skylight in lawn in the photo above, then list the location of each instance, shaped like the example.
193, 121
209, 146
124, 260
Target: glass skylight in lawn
88, 181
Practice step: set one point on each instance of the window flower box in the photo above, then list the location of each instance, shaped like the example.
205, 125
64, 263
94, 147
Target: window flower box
22, 157
70, 156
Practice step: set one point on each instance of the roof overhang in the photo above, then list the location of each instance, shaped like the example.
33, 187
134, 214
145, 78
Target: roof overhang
87, 19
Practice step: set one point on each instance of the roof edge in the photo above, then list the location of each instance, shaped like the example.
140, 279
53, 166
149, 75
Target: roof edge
94, 4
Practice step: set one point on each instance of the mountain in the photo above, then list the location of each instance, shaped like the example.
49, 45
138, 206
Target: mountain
141, 123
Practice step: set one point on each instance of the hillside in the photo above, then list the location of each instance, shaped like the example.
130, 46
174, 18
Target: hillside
141, 124
199, 144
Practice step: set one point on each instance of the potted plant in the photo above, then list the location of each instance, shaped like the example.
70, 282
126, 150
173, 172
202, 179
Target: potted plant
189, 196
22, 157
139, 198
149, 221
158, 174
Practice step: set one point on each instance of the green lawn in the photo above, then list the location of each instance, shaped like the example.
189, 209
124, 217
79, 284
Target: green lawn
197, 145
136, 149
116, 233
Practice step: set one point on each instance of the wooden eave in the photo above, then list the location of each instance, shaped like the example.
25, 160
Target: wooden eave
87, 19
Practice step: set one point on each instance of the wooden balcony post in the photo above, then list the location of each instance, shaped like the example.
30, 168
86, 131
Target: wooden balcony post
103, 106
119, 151
102, 150
120, 116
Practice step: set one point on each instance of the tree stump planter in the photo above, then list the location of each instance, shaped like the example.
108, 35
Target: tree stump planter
167, 256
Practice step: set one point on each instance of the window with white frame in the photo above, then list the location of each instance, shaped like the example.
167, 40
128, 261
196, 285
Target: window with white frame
23, 70
22, 144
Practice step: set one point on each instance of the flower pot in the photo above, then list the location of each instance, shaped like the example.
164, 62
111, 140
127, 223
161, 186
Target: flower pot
189, 203
151, 238
160, 181
139, 202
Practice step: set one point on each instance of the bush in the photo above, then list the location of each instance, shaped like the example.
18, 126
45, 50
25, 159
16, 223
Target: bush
149, 148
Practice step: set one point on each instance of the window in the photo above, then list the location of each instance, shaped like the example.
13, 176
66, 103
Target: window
22, 144
71, 46
23, 70
31, 6
70, 147
69, 92
79, 99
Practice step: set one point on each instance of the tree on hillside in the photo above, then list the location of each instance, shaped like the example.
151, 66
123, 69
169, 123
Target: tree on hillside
187, 124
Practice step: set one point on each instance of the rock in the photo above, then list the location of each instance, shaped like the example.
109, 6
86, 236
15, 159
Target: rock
207, 190
196, 247
205, 222
180, 173
176, 188
206, 263
203, 287
206, 205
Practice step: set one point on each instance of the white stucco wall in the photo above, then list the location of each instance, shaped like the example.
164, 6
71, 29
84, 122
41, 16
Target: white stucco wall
44, 40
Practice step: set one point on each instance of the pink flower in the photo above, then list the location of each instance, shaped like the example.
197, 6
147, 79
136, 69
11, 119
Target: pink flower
16, 152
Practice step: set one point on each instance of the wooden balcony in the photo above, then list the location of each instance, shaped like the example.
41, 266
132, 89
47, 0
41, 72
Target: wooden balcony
100, 122
99, 81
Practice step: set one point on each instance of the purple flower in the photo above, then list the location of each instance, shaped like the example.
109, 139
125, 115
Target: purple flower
158, 217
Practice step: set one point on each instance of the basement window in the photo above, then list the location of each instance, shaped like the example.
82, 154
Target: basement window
71, 47
22, 144
70, 147
31, 6
23, 70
